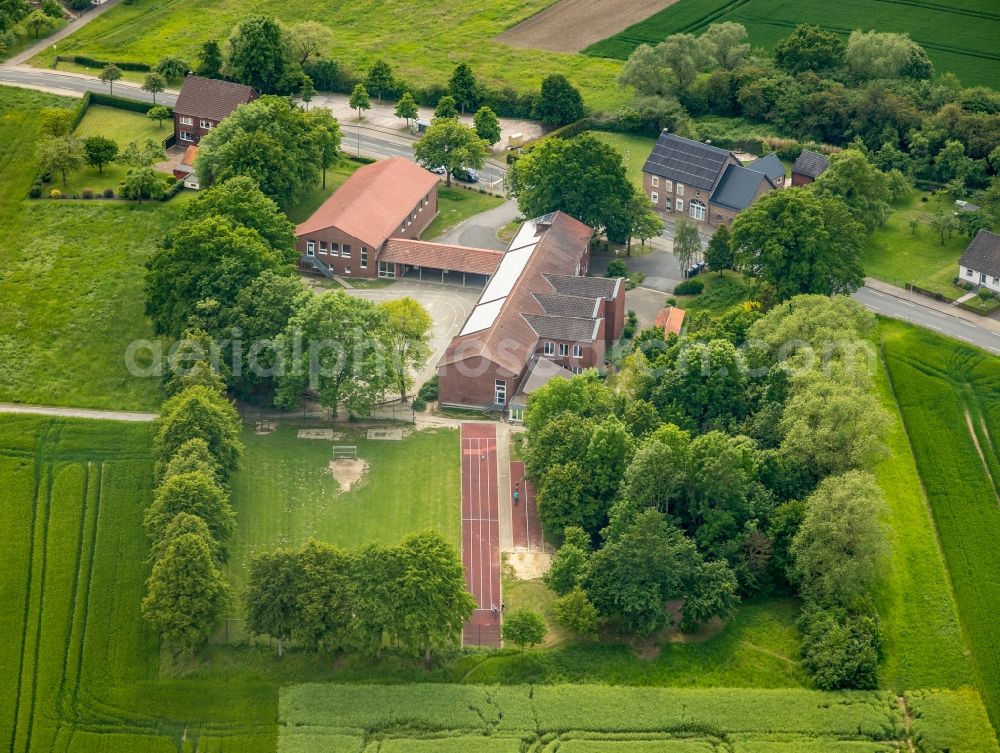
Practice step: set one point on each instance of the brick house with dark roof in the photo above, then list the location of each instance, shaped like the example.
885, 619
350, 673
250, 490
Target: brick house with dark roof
203, 103
808, 166
772, 166
980, 263
538, 312
369, 228
685, 178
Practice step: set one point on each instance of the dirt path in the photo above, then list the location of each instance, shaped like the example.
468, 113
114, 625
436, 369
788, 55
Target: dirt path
979, 449
82, 20
107, 415
572, 25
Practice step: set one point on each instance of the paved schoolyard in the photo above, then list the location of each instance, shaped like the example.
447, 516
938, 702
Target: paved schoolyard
448, 305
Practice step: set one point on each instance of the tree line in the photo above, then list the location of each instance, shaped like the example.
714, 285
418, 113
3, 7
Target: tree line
720, 472
411, 596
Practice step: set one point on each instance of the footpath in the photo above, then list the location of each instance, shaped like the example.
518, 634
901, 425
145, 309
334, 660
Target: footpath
941, 307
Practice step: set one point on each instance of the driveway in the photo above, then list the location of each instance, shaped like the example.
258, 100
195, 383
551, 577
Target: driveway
448, 305
480, 231
660, 267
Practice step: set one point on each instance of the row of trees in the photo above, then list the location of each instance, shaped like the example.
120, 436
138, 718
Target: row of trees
190, 521
326, 598
694, 481
227, 269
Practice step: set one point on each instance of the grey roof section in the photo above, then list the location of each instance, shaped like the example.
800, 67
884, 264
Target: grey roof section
211, 98
810, 163
983, 254
738, 187
568, 305
685, 161
540, 373
585, 287
769, 164
568, 328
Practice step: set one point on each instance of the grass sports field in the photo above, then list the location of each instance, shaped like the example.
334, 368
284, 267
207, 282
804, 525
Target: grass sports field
422, 39
968, 48
284, 492
949, 397
70, 298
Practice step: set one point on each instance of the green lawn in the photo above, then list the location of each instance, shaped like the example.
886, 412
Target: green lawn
124, 126
898, 255
422, 39
309, 202
721, 293
456, 205
635, 150
284, 492
967, 50
70, 280
949, 397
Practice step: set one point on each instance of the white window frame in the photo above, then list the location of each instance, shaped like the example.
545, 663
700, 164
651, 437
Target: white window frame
185, 120
680, 205
347, 270
310, 248
205, 124
500, 392
577, 369
386, 270
563, 350
345, 251
669, 203
697, 210
655, 181
969, 273
654, 197
516, 414
364, 257
185, 136
680, 189
549, 348
577, 351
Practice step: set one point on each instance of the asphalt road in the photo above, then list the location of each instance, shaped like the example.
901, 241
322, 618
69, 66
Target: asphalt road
913, 312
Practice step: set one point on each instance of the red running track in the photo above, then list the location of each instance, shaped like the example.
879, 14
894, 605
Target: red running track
481, 533
524, 515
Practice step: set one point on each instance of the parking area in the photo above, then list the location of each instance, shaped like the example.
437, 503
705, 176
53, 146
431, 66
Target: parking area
448, 305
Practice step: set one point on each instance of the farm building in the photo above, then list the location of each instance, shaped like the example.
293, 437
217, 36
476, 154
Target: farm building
771, 166
808, 166
685, 178
370, 225
203, 103
539, 317
980, 264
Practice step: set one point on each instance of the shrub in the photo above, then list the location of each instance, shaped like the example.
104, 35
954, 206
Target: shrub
840, 649
109, 193
419, 404
985, 294
689, 287
634, 279
55, 193
87, 193
35, 192
575, 612
617, 268
428, 391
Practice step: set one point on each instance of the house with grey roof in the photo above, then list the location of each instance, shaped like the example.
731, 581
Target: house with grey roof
980, 264
808, 166
771, 166
685, 178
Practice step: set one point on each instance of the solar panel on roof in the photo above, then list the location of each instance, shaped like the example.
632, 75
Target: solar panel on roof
482, 317
505, 277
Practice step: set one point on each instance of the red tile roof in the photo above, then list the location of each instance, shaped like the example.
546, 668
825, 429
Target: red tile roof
211, 98
482, 261
510, 341
674, 322
190, 155
373, 203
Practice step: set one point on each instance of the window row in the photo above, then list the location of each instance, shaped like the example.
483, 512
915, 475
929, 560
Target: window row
207, 125
334, 249
668, 186
549, 349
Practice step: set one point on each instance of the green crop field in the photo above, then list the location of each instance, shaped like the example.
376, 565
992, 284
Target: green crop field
949, 396
959, 36
70, 280
285, 493
603, 719
422, 39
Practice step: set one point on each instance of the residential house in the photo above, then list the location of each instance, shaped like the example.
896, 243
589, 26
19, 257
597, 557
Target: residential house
203, 103
539, 316
772, 167
808, 166
184, 170
980, 264
370, 225
685, 178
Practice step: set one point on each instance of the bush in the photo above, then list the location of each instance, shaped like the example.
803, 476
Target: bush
109, 193
617, 268
840, 649
55, 193
985, 294
575, 612
428, 391
87, 193
419, 404
35, 192
689, 287
634, 280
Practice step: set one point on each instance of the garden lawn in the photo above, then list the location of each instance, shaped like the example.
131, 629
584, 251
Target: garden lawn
949, 397
71, 274
897, 255
308, 202
422, 39
456, 205
124, 126
635, 150
720, 294
284, 492
967, 50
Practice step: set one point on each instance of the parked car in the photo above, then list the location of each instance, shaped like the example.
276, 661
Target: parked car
438, 169
466, 175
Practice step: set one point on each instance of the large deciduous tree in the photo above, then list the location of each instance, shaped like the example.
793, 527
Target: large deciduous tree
559, 102
853, 179
61, 154
487, 125
257, 55
195, 493
451, 145
100, 151
210, 60
198, 413
307, 39
379, 80
272, 605
800, 243
809, 48
463, 87
407, 338
523, 627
